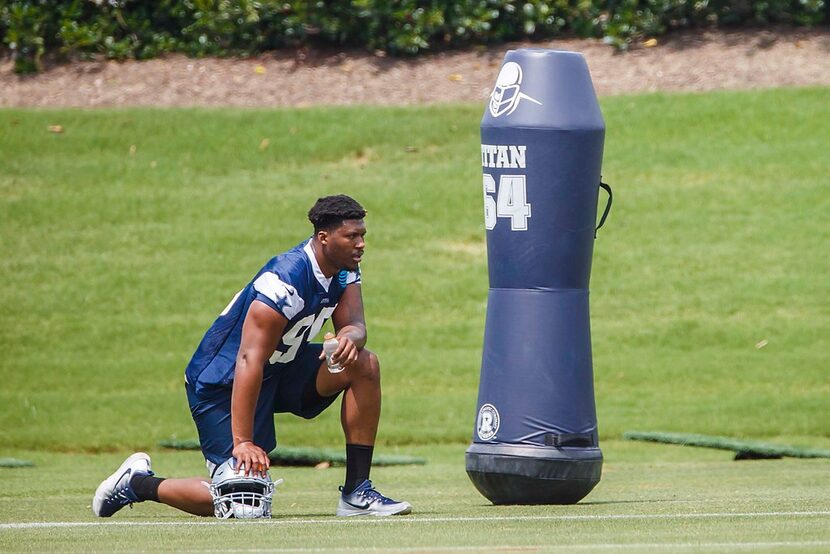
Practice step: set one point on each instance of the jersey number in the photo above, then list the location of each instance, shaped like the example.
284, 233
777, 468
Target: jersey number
307, 328
511, 201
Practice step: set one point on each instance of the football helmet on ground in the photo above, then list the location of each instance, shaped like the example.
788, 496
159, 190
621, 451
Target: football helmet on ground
240, 496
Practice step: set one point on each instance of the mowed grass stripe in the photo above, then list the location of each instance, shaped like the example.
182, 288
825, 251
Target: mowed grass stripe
406, 520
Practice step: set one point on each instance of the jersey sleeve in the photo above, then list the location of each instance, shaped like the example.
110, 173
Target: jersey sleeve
279, 295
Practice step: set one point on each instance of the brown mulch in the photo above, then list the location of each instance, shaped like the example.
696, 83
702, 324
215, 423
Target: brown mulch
689, 61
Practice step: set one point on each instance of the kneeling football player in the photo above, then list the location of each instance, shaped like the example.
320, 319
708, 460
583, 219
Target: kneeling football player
257, 359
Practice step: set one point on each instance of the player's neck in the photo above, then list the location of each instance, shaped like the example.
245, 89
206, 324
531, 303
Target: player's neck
327, 268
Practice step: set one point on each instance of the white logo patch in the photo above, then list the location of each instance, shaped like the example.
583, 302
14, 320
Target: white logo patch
488, 421
506, 94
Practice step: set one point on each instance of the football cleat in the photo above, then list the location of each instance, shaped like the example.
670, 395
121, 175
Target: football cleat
365, 500
114, 492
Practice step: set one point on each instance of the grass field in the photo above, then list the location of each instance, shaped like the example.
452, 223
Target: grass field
122, 238
651, 498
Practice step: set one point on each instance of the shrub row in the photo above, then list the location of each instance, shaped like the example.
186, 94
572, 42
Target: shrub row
141, 29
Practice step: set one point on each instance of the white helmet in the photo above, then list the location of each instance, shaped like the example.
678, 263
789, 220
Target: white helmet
239, 496
506, 95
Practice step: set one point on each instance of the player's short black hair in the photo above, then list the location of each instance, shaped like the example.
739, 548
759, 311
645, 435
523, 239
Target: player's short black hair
330, 211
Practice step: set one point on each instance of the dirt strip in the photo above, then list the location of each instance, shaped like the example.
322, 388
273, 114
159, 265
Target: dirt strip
688, 61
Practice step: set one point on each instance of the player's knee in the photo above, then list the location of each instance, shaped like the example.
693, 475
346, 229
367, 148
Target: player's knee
369, 366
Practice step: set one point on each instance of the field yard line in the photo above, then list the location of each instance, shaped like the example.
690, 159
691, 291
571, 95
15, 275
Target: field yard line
341, 521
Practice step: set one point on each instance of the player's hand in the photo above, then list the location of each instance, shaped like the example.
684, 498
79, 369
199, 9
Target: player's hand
253, 459
346, 353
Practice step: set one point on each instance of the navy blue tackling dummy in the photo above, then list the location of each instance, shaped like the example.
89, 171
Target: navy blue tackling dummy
535, 437
257, 359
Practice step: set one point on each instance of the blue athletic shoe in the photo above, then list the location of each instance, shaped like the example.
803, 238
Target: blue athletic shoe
366, 501
115, 492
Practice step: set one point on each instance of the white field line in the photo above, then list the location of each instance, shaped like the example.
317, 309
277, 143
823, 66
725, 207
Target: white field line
407, 520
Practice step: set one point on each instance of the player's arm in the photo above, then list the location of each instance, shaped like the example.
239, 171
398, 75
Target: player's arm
261, 332
350, 325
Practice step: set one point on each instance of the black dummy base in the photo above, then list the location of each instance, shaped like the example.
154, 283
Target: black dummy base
519, 474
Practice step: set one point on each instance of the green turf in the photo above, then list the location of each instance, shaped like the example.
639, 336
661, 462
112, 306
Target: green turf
651, 498
709, 315
114, 263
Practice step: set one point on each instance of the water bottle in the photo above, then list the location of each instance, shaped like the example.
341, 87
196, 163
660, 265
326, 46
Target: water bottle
330, 344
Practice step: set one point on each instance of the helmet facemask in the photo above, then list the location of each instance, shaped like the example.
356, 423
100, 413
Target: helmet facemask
503, 99
238, 496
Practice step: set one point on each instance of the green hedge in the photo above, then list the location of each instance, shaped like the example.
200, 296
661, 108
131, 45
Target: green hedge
141, 29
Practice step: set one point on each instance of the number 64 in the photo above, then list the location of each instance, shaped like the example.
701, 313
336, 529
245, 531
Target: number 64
511, 201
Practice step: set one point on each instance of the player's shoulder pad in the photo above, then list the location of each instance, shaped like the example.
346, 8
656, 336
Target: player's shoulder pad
283, 295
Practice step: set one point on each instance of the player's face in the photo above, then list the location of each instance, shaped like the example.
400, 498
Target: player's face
344, 245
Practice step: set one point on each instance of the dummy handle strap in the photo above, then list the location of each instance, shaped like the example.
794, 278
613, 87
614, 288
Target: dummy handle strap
607, 206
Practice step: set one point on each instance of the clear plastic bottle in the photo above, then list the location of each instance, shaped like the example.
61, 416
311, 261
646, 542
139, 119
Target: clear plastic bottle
330, 344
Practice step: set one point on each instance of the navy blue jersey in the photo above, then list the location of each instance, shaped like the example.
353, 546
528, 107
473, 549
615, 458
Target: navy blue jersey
293, 285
